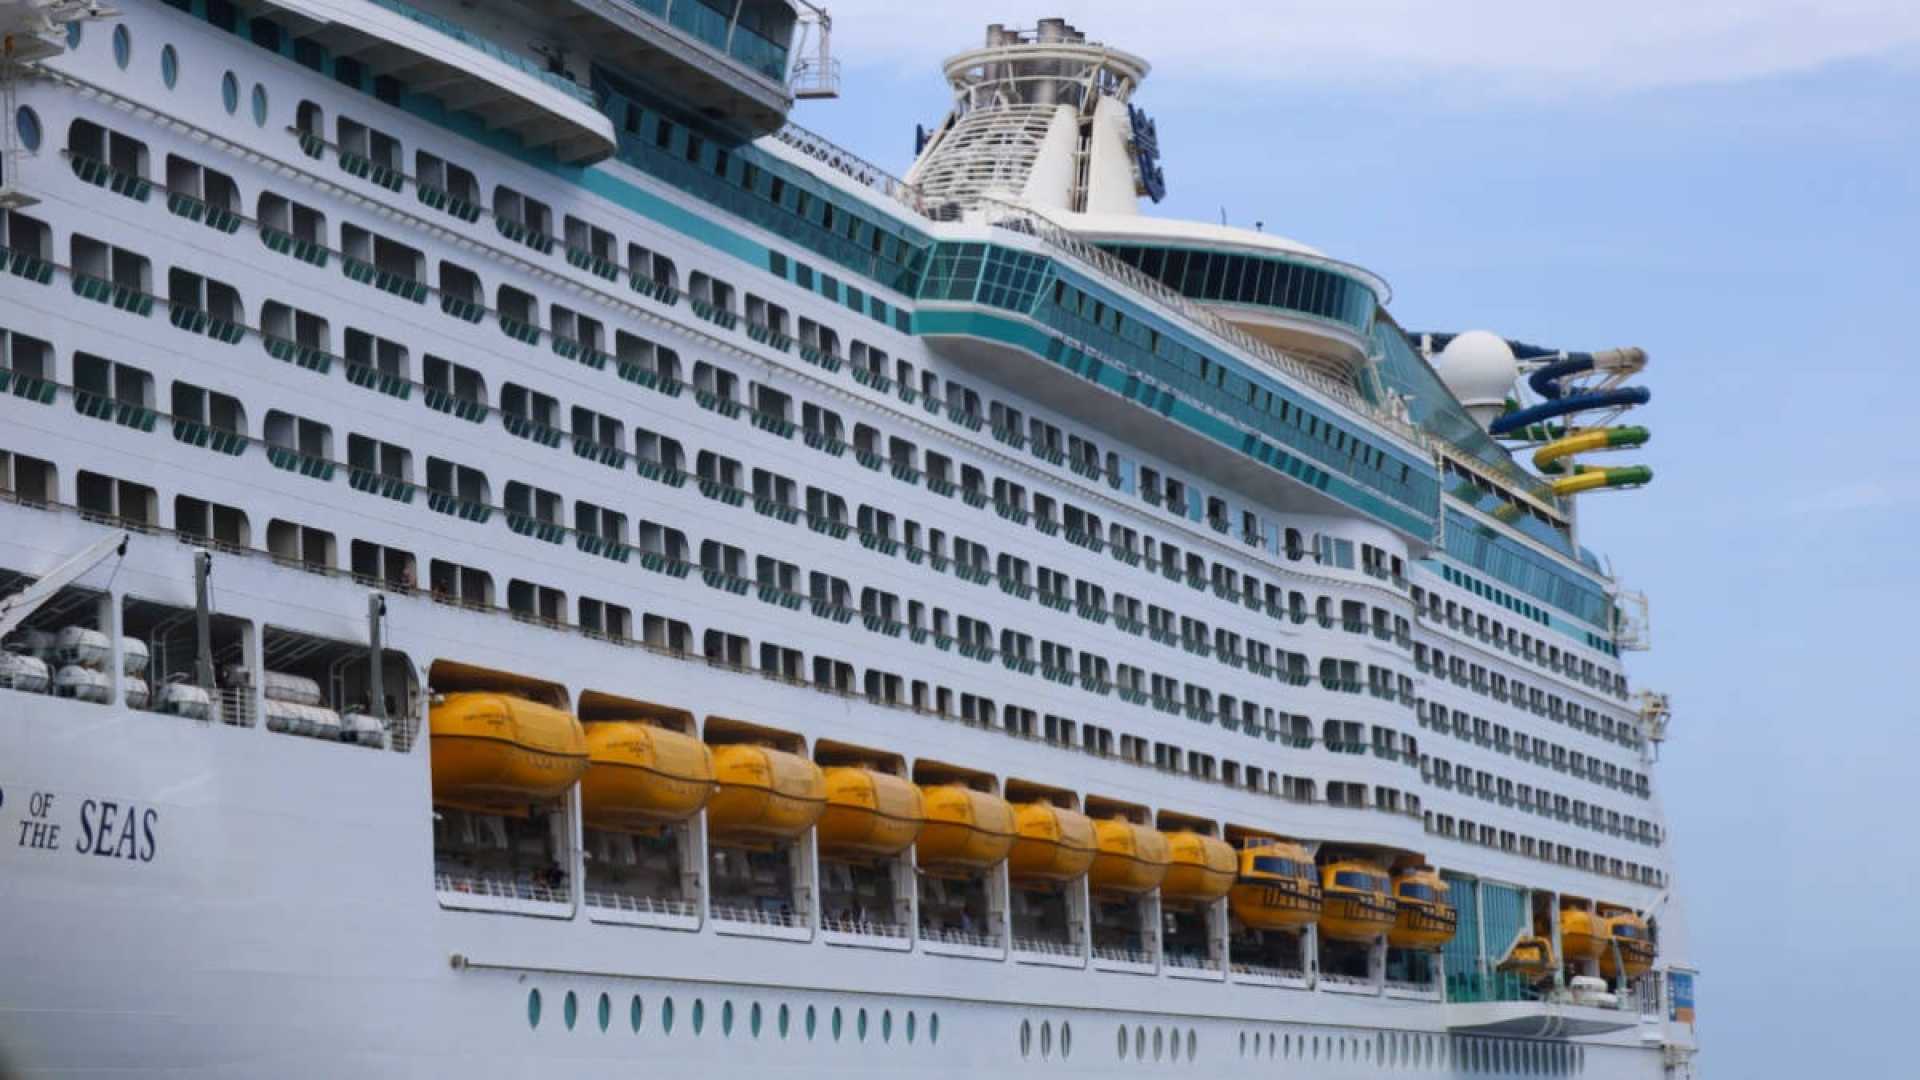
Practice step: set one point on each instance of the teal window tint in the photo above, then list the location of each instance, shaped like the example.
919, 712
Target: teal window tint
635, 1014
606, 1011
860, 1024
811, 1022
699, 1015
122, 46
73, 35
726, 1018
230, 92
27, 123
666, 1016
533, 1007
753, 1020
169, 66
785, 1017
933, 1027
259, 105
570, 1009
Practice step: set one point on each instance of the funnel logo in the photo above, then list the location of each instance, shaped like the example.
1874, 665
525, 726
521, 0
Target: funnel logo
1146, 155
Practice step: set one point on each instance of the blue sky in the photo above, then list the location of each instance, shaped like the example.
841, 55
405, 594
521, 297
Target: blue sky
1735, 187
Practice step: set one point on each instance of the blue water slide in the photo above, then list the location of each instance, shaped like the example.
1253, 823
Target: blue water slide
1546, 381
1561, 406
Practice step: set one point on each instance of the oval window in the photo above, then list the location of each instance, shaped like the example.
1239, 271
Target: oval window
533, 996
122, 46
27, 122
259, 105
169, 66
230, 92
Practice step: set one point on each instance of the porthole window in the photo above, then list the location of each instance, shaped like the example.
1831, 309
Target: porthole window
666, 1016
1193, 1044
73, 35
169, 66
1026, 1038
27, 123
753, 1020
606, 1012
570, 1009
810, 1021
910, 1026
259, 105
886, 1025
785, 1020
1140, 1042
836, 1023
122, 46
933, 1028
1046, 1039
1159, 1043
533, 995
1066, 1040
635, 1014
1120, 1044
726, 1018
699, 1015
230, 92
1243, 1044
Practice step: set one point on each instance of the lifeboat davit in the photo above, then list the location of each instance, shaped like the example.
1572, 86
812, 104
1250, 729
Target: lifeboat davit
641, 776
1130, 859
765, 795
1051, 844
967, 831
1531, 955
1276, 889
1426, 918
869, 815
1358, 901
1582, 934
499, 754
1627, 933
1200, 869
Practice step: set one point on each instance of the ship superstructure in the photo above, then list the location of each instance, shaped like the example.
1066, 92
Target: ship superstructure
520, 560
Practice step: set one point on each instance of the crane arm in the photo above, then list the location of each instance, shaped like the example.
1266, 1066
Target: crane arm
15, 608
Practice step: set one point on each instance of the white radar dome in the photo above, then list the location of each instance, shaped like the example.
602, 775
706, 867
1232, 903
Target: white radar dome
1478, 366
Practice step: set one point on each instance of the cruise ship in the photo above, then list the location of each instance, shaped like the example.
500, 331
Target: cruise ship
516, 560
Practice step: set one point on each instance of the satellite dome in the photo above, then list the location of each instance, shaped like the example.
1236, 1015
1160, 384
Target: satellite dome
1479, 368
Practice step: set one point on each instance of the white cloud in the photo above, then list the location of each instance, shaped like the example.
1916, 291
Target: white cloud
1524, 46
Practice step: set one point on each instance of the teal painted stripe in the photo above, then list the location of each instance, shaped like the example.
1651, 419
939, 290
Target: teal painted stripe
992, 326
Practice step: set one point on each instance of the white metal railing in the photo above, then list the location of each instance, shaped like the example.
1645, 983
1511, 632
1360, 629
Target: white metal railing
865, 928
749, 916
638, 904
501, 888
960, 937
1043, 947
1346, 981
1192, 961
1122, 955
1045, 230
851, 165
1265, 971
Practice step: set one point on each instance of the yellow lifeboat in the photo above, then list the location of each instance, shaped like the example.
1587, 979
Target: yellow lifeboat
1582, 935
1531, 955
1200, 869
1426, 918
869, 815
765, 795
500, 754
1276, 889
1628, 933
1052, 844
967, 831
1131, 859
1359, 901
641, 776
